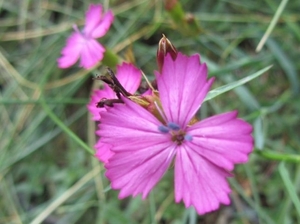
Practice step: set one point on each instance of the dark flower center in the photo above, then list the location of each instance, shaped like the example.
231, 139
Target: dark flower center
178, 137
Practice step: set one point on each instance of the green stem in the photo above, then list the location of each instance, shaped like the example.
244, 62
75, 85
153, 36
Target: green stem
65, 128
177, 13
290, 187
267, 154
49, 101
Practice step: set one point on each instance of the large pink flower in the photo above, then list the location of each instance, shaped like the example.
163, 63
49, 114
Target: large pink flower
130, 78
203, 152
83, 44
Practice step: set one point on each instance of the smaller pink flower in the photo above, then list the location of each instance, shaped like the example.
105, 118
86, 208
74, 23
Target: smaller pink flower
83, 44
130, 78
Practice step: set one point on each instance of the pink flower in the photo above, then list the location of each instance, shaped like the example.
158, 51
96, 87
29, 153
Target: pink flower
204, 152
130, 78
83, 44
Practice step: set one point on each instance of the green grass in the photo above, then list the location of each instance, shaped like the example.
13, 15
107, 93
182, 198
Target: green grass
47, 174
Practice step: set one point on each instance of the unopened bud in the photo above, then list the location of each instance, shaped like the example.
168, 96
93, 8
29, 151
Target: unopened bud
164, 47
170, 4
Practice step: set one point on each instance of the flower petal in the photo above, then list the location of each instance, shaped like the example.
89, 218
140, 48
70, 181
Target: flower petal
198, 182
223, 139
71, 52
92, 18
97, 95
129, 76
103, 152
103, 26
92, 52
127, 125
137, 171
182, 87
142, 152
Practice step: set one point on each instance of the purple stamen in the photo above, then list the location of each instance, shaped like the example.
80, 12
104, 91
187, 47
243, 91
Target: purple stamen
173, 126
188, 137
163, 129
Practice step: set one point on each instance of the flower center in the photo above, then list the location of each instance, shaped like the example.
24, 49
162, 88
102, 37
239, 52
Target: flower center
178, 137
177, 134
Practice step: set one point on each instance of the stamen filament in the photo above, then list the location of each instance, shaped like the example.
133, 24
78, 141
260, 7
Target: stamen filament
160, 111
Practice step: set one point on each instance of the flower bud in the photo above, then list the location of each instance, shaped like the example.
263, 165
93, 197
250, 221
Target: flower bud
170, 4
165, 46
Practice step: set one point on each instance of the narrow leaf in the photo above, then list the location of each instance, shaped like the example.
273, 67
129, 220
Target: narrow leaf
289, 186
218, 91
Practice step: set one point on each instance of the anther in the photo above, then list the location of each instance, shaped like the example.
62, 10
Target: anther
163, 129
188, 137
173, 126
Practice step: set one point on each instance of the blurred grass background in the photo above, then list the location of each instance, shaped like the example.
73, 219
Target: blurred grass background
46, 176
